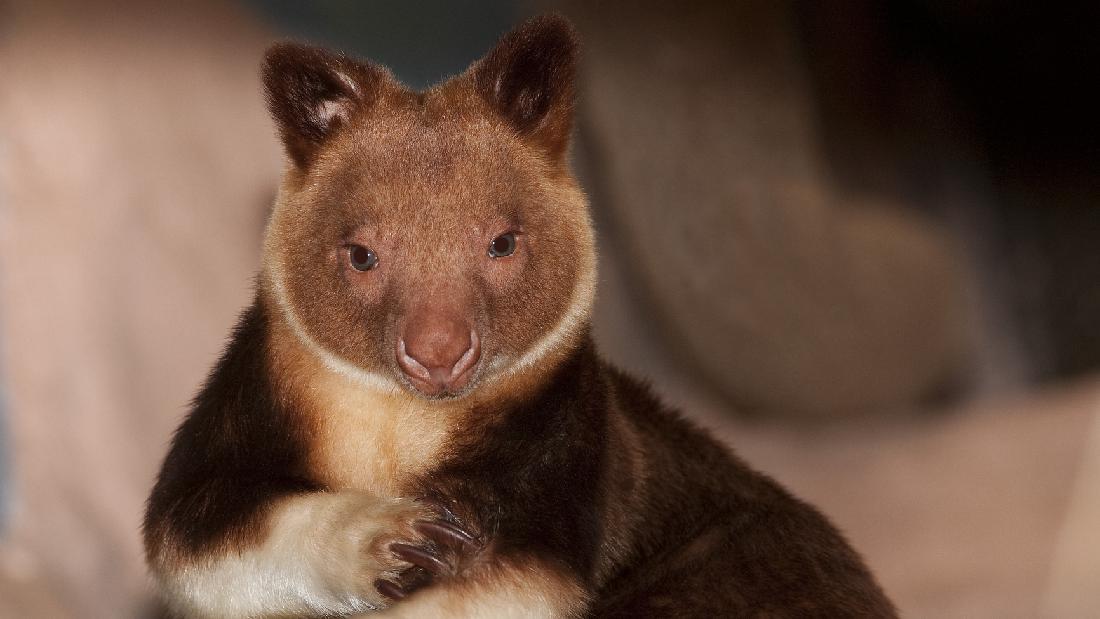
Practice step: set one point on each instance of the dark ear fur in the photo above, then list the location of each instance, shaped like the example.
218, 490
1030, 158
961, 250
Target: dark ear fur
529, 79
312, 93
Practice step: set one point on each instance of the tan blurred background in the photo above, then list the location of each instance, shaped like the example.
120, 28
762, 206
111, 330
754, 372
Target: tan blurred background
857, 240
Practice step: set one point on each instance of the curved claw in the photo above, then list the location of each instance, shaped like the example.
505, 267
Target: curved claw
421, 558
446, 534
389, 589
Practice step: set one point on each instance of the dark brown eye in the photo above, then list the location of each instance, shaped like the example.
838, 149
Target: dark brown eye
362, 259
503, 245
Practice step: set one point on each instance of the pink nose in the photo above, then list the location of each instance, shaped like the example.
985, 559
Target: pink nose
437, 352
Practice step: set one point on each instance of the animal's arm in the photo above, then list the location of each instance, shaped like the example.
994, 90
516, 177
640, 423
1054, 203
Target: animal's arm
235, 529
306, 553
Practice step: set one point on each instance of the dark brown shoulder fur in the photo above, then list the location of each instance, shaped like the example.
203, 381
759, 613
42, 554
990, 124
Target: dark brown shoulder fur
705, 535
238, 449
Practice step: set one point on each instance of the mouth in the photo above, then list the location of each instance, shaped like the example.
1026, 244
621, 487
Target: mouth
436, 383
435, 391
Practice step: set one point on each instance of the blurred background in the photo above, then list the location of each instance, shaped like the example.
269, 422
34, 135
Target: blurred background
856, 239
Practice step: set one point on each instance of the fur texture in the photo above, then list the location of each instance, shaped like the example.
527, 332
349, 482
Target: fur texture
317, 475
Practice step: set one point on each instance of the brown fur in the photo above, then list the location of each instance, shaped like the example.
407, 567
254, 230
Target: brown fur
580, 492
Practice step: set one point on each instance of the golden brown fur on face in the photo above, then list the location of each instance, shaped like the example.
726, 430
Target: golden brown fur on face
427, 181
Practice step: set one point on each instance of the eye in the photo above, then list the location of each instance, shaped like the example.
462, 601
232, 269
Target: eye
503, 245
361, 258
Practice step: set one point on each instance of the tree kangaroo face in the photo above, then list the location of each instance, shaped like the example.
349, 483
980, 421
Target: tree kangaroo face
423, 241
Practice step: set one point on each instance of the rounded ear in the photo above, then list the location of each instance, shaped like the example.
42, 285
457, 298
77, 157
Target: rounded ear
312, 92
529, 79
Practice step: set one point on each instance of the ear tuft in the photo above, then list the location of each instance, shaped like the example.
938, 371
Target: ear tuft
529, 78
311, 93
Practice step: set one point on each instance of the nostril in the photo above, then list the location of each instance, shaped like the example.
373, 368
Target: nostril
468, 358
410, 363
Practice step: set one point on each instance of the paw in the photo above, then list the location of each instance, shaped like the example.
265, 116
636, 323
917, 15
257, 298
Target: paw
441, 550
386, 549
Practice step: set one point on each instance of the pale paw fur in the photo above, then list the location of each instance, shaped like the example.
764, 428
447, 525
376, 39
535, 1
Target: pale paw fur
369, 543
324, 554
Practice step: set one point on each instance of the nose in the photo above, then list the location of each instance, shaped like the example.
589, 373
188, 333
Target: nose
437, 352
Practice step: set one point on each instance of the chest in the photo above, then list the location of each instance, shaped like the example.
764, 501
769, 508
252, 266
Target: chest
371, 441
357, 436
